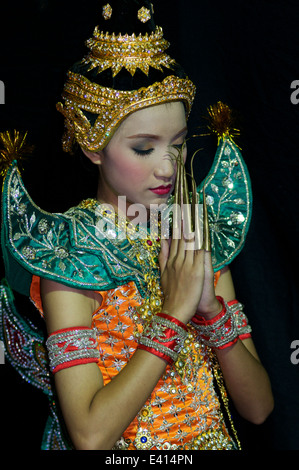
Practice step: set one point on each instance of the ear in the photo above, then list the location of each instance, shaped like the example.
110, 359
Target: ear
94, 157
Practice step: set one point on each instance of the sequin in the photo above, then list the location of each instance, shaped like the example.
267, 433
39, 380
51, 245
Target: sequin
61, 252
193, 399
43, 226
29, 252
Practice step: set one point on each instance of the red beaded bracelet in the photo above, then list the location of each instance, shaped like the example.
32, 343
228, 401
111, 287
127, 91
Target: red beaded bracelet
72, 346
219, 332
164, 337
241, 319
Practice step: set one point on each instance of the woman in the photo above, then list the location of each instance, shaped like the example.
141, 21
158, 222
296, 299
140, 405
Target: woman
133, 343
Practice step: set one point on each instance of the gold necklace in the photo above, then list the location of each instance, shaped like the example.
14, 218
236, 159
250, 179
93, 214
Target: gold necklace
146, 249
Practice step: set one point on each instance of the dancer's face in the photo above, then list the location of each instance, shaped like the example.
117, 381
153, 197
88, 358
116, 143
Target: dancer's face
138, 161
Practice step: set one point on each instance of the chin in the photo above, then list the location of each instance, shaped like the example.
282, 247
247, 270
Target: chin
161, 199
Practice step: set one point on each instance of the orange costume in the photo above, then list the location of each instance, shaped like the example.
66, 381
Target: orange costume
183, 411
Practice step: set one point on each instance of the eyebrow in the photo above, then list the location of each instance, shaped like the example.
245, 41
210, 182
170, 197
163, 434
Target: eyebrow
156, 137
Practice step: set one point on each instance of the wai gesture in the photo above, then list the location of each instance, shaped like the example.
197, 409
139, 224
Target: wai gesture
187, 277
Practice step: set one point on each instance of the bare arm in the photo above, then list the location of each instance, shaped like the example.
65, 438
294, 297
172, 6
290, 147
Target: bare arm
246, 379
96, 415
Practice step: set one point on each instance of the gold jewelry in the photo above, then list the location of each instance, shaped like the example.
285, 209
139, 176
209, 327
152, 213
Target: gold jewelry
112, 106
118, 54
144, 14
107, 12
221, 121
206, 229
13, 146
131, 52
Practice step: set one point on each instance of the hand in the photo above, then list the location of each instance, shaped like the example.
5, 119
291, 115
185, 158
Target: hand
182, 278
187, 278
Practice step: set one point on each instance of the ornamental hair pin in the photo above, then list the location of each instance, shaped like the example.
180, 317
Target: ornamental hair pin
107, 11
144, 14
13, 146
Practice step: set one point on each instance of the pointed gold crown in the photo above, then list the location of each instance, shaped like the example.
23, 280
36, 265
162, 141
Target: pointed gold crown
130, 52
93, 111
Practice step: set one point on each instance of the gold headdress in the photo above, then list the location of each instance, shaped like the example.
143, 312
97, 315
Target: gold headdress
122, 73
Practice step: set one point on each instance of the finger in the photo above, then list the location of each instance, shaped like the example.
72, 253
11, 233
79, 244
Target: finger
192, 228
189, 246
195, 256
163, 255
176, 240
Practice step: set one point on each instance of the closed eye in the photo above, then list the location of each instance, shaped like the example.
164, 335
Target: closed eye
143, 153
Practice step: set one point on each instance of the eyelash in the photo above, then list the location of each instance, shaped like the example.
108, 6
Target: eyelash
143, 153
146, 153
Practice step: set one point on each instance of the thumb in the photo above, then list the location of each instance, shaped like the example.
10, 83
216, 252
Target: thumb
209, 272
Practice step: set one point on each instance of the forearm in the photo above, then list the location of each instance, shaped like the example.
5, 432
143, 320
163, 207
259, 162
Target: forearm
111, 408
158, 345
247, 381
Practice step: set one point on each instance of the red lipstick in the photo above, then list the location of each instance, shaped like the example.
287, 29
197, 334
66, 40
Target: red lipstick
161, 190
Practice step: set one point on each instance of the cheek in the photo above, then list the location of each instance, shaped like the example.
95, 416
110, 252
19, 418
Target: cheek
128, 171
132, 171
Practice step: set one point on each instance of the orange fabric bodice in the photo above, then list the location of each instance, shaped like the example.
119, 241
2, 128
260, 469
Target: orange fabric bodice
179, 408
183, 411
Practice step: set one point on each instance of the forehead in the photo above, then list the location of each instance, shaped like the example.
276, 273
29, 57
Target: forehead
165, 118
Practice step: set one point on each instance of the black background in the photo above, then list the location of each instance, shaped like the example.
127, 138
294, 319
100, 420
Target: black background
245, 54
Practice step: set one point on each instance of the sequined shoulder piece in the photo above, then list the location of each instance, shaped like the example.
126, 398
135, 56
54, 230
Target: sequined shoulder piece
24, 349
229, 203
66, 247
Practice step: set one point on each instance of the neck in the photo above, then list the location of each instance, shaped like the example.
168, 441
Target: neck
133, 212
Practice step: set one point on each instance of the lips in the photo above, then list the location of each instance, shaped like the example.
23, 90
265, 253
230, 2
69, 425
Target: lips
161, 190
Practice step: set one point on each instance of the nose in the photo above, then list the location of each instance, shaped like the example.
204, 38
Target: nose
165, 169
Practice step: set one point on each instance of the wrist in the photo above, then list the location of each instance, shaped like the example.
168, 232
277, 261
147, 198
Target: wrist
164, 337
220, 331
212, 311
178, 311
